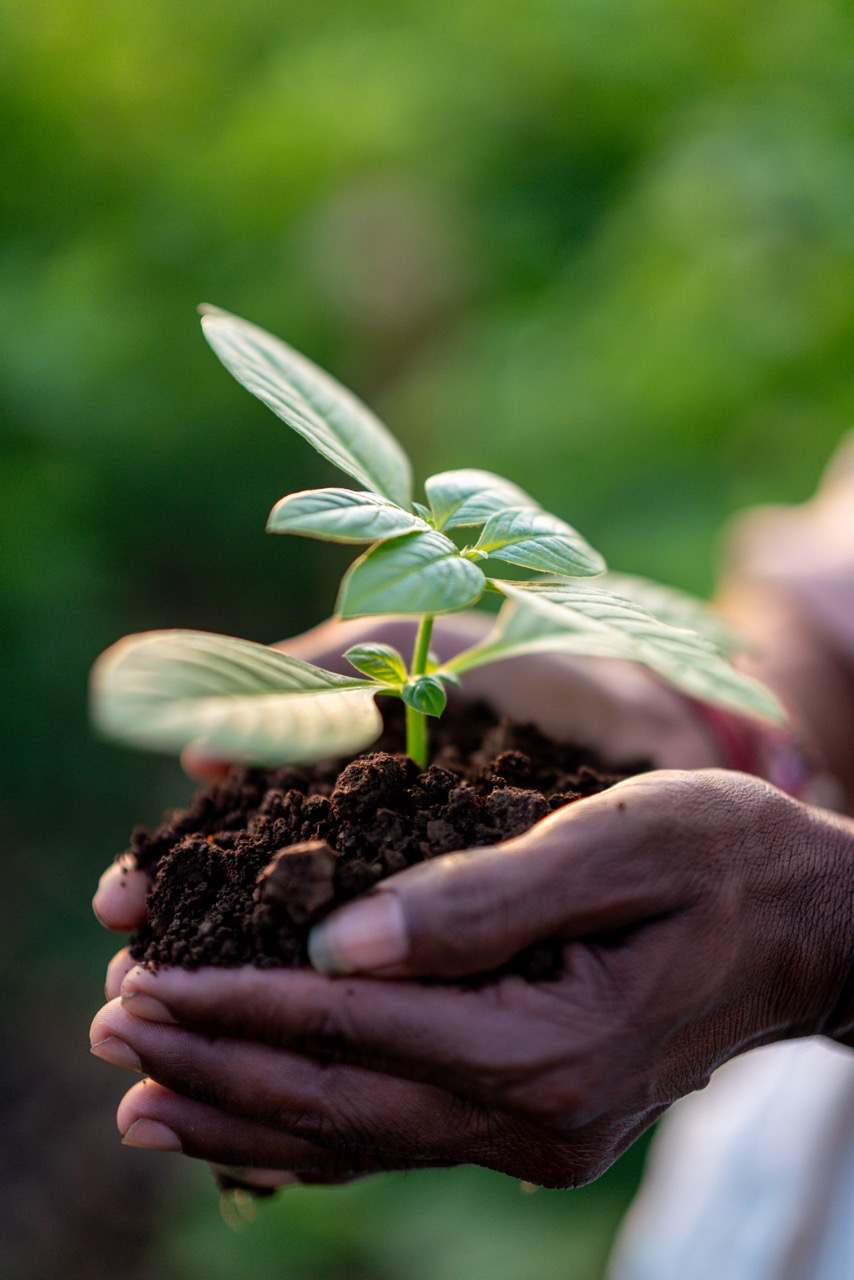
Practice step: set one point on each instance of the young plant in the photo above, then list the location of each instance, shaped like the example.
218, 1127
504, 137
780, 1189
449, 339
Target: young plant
242, 701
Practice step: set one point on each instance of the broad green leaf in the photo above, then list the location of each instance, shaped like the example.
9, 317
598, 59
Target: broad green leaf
418, 573
583, 620
425, 694
540, 541
341, 515
470, 496
165, 690
378, 662
326, 414
679, 608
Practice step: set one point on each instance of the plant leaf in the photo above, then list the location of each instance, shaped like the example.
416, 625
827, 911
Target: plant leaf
540, 541
470, 496
679, 608
378, 662
165, 690
584, 620
418, 573
341, 515
425, 694
329, 416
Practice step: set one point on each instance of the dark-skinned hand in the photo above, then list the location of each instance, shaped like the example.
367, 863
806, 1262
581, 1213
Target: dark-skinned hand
619, 708
701, 913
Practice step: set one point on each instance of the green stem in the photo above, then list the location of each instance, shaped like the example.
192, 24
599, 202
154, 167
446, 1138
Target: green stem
416, 721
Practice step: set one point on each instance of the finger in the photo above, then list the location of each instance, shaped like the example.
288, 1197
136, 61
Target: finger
622, 710
117, 970
201, 767
590, 867
231, 1176
332, 1105
119, 901
397, 1125
154, 1117
491, 1045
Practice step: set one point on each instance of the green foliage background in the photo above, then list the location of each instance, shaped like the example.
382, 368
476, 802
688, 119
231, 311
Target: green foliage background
605, 247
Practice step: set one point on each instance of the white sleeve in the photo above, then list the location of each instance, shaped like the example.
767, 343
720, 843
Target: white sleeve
752, 1179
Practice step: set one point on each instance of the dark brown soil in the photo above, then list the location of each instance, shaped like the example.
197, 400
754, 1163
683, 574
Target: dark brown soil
242, 875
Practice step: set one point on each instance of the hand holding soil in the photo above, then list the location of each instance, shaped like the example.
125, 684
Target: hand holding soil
245, 872
700, 914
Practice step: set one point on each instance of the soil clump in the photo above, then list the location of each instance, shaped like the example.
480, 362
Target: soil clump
241, 875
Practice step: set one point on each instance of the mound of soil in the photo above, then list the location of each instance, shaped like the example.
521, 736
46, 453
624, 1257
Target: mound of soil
242, 874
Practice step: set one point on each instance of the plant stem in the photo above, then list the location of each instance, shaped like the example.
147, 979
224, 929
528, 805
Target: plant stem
416, 721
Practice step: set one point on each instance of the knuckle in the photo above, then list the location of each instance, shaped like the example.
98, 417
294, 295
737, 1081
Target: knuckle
447, 918
335, 1124
312, 1125
326, 1034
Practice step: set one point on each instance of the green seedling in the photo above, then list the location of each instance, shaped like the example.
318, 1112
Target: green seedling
241, 701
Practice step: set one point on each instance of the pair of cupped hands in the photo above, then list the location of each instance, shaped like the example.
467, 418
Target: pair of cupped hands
701, 911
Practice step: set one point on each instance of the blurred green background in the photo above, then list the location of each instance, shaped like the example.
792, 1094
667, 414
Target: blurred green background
603, 246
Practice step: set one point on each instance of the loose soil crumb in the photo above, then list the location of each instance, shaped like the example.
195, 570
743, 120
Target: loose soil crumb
241, 875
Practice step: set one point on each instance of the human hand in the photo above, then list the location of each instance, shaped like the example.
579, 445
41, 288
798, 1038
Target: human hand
595, 701
700, 914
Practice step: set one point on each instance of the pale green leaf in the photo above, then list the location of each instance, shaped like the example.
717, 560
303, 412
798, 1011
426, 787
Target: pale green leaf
425, 694
540, 541
416, 574
341, 515
679, 608
470, 496
324, 412
583, 620
165, 690
378, 662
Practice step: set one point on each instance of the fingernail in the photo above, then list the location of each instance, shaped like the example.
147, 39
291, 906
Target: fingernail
152, 1135
370, 934
116, 1052
142, 1005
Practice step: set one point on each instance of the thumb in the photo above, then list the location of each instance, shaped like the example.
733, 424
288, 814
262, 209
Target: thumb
472, 911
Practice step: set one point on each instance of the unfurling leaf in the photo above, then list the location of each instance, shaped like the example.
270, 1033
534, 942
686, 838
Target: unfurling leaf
418, 573
583, 620
537, 540
166, 690
326, 414
342, 515
469, 496
425, 694
378, 662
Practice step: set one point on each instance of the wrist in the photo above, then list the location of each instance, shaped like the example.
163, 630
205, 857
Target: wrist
838, 836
